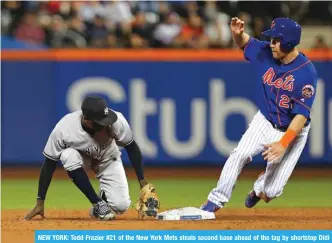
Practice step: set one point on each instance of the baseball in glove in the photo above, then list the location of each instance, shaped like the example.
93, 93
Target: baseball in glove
148, 202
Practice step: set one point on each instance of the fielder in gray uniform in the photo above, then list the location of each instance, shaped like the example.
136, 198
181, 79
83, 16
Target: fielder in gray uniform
91, 138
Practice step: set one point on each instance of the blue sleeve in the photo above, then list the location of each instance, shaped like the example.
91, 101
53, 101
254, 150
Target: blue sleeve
303, 98
253, 48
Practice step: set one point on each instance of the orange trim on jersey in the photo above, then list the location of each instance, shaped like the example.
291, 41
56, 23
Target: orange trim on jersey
297, 101
278, 107
278, 114
245, 47
297, 67
261, 174
142, 55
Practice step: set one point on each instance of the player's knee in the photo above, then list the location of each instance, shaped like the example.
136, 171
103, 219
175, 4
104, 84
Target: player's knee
120, 206
241, 156
71, 159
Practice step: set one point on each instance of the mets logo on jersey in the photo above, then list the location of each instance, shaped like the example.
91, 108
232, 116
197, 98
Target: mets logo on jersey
308, 91
285, 83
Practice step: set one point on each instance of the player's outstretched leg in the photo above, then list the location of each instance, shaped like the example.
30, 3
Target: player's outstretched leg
270, 184
251, 143
72, 162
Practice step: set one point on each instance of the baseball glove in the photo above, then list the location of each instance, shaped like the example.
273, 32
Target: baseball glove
148, 202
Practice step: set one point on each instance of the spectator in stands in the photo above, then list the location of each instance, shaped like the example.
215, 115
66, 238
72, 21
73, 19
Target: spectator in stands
56, 32
192, 33
258, 27
90, 9
118, 12
163, 11
320, 43
29, 30
145, 24
149, 8
53, 7
294, 9
112, 41
217, 26
146, 6
188, 9
141, 32
247, 22
98, 33
11, 13
166, 32
6, 17
66, 9
75, 35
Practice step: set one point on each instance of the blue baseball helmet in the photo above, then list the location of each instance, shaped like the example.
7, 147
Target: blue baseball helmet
287, 30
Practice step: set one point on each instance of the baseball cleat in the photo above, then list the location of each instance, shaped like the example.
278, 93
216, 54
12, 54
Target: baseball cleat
210, 207
102, 211
251, 199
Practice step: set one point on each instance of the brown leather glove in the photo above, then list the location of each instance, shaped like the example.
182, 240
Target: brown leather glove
148, 202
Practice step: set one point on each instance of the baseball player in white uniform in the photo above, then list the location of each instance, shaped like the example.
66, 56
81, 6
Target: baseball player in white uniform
90, 138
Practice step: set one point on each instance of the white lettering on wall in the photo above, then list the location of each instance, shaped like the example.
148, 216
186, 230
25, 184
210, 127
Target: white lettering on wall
220, 108
196, 142
140, 108
106, 86
316, 145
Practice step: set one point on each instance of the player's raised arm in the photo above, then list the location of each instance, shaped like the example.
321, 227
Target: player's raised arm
237, 28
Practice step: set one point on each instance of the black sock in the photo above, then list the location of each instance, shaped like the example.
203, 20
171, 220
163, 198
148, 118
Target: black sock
81, 180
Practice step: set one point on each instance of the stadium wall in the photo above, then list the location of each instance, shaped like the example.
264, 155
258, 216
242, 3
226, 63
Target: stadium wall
185, 107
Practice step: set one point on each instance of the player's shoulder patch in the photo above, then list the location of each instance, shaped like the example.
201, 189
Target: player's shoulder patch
308, 91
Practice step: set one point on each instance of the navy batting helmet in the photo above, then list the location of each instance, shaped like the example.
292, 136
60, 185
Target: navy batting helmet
287, 30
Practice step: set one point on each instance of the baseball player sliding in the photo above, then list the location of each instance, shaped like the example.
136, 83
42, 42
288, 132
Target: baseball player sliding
280, 128
90, 138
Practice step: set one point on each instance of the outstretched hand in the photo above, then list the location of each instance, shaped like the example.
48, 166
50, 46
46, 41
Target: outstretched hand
273, 152
37, 210
237, 26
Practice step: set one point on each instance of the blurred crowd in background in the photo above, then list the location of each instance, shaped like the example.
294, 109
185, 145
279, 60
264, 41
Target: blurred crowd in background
150, 24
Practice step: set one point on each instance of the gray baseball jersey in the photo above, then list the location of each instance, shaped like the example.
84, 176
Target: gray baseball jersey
68, 133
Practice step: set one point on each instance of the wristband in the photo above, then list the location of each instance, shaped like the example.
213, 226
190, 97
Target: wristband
288, 138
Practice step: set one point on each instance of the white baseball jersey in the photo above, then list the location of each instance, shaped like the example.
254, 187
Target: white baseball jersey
68, 133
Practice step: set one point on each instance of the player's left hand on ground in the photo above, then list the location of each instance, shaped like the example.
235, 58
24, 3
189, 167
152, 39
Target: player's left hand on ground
273, 152
37, 210
148, 202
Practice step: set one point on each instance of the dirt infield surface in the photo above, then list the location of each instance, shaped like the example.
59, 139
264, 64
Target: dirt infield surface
16, 231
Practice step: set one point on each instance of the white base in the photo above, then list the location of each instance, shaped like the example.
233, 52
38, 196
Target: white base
187, 213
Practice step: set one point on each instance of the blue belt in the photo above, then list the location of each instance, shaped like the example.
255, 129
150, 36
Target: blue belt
279, 128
